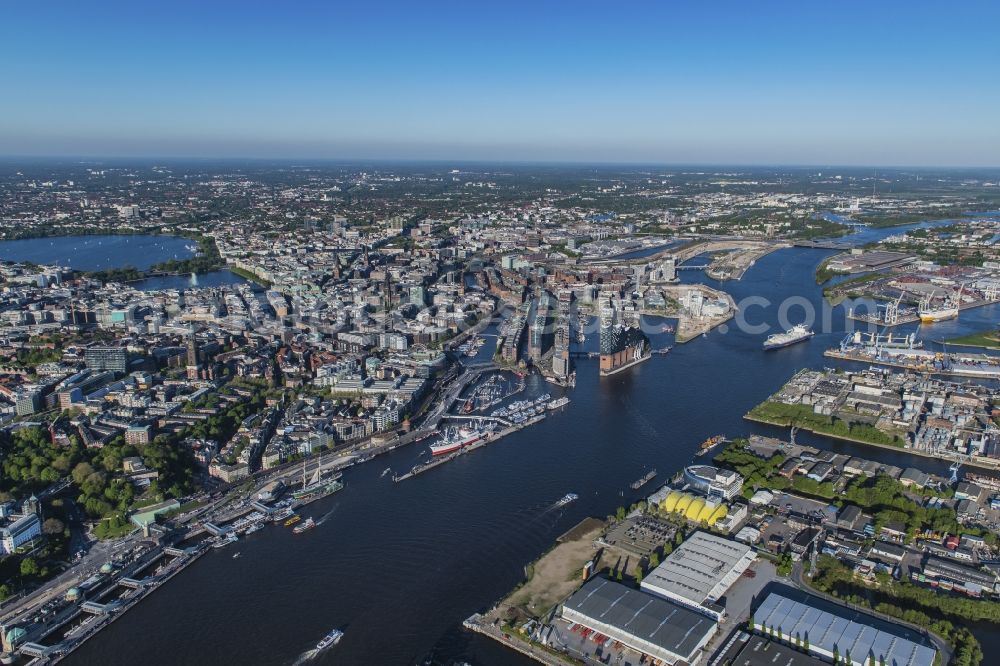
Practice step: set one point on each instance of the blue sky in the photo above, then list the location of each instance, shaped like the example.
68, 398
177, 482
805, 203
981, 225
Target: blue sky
881, 83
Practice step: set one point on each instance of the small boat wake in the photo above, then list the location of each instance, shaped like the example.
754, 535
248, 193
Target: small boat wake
566, 499
306, 657
321, 520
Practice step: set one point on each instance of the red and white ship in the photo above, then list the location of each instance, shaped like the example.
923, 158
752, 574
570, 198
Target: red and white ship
453, 440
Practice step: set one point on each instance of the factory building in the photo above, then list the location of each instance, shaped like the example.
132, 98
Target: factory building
950, 575
648, 624
827, 630
699, 571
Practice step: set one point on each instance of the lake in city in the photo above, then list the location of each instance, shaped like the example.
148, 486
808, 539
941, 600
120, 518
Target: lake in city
96, 253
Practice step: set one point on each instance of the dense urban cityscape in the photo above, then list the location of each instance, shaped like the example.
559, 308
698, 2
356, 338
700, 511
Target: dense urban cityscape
498, 334
193, 353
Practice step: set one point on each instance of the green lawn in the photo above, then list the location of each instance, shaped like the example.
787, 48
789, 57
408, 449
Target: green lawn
804, 417
987, 339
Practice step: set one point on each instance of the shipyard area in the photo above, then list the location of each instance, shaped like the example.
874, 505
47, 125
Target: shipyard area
714, 567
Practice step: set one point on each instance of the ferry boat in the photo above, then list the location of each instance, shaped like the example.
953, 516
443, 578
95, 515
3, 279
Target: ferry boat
797, 333
558, 402
256, 527
331, 638
225, 541
291, 521
455, 440
304, 527
567, 498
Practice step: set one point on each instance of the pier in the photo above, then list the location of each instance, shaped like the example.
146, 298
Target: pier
421, 468
470, 417
974, 366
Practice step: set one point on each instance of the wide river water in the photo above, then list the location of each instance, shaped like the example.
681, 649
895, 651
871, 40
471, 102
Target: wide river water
399, 566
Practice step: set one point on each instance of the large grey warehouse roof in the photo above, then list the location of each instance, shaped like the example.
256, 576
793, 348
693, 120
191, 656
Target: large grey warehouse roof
828, 626
673, 628
701, 568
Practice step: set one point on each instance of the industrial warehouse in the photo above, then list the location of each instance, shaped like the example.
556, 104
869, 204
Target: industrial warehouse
646, 623
699, 572
825, 632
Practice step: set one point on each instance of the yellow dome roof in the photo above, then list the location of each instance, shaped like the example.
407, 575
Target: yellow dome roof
720, 512
707, 511
683, 503
670, 503
694, 509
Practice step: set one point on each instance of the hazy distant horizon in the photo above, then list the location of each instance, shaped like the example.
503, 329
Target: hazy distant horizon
727, 82
297, 160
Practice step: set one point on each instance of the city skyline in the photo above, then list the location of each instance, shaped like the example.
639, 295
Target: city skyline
892, 85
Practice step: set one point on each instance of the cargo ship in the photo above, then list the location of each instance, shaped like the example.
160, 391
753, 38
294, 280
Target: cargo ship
453, 440
304, 527
795, 334
930, 314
